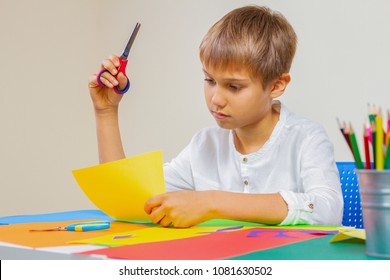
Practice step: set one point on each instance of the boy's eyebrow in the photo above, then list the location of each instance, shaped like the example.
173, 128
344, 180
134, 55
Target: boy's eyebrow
204, 71
229, 79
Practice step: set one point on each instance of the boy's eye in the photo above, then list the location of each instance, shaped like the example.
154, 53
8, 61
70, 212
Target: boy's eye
235, 87
210, 81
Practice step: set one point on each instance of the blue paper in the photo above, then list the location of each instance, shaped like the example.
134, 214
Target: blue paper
56, 217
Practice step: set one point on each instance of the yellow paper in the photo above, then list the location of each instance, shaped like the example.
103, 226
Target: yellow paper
349, 233
156, 234
121, 188
153, 234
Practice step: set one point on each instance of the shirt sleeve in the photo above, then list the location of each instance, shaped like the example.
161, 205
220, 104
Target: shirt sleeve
321, 201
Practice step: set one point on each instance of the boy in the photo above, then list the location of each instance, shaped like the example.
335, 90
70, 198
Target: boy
262, 163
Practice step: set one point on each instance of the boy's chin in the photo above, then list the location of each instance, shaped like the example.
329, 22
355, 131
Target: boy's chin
225, 125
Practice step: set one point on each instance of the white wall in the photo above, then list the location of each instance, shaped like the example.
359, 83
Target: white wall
49, 48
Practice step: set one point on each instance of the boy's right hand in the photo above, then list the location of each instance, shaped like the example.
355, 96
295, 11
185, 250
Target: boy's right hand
105, 98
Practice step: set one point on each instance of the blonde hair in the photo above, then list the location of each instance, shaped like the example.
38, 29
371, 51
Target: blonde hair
256, 38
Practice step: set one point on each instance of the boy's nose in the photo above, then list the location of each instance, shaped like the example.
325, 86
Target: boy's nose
218, 97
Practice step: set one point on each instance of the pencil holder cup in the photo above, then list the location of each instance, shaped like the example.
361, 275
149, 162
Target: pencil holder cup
374, 186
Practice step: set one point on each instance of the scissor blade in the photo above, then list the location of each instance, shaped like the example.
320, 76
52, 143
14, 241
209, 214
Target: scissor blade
126, 51
49, 229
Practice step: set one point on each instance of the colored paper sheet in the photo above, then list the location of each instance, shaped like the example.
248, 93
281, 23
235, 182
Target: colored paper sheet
154, 234
56, 217
345, 234
121, 188
224, 222
211, 246
162, 234
313, 249
20, 234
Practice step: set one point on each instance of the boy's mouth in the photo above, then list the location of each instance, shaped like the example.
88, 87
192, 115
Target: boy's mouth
219, 115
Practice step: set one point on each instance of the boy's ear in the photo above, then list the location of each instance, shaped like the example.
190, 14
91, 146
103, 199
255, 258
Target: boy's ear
280, 85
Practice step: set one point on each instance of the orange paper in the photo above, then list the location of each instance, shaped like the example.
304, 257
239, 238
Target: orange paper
20, 234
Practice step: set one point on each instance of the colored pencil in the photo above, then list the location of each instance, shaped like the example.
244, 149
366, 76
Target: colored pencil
387, 157
387, 129
366, 148
371, 114
376, 139
355, 148
379, 142
369, 132
373, 129
344, 132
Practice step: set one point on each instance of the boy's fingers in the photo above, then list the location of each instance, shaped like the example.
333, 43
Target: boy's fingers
157, 215
115, 60
165, 222
92, 81
153, 202
110, 66
122, 81
108, 80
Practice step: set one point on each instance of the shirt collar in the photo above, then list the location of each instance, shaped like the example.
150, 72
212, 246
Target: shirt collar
283, 112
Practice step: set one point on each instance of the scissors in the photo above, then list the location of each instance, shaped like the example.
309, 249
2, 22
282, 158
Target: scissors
123, 62
87, 226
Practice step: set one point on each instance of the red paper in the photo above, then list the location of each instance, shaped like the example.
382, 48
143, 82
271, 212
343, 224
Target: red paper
211, 246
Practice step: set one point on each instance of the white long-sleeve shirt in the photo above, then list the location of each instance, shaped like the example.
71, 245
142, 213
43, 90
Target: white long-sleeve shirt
297, 161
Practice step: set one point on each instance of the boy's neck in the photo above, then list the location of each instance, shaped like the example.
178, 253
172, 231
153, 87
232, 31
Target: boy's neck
250, 139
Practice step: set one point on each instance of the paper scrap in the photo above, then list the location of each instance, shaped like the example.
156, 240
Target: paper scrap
345, 234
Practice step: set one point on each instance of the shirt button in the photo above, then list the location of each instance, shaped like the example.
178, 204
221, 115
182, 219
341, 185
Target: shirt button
246, 182
245, 159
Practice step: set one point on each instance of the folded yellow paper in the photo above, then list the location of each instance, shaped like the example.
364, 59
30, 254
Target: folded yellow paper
121, 188
348, 234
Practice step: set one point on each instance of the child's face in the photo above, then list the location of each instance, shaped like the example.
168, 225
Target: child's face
236, 100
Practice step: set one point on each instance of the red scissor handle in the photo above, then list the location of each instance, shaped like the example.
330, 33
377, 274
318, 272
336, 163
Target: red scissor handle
121, 69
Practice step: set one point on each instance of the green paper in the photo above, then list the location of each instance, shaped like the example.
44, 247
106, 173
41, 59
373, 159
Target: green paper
314, 249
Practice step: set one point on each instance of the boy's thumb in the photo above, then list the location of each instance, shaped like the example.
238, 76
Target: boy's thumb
122, 79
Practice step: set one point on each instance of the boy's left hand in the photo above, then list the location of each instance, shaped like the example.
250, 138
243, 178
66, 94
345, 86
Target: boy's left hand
180, 209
